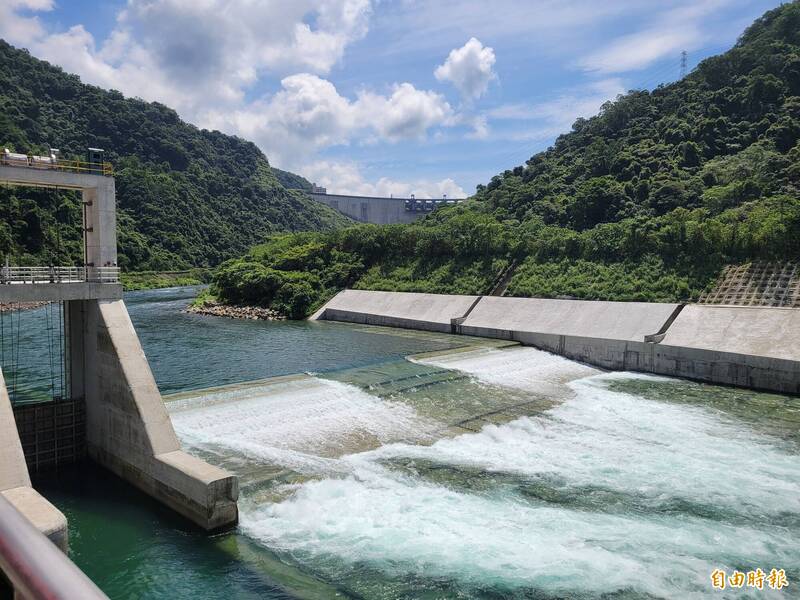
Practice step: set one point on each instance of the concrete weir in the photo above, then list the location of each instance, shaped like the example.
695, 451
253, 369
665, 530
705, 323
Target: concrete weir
753, 347
127, 428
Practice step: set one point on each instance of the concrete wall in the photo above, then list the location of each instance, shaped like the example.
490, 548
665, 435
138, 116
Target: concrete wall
128, 428
15, 483
749, 347
382, 211
752, 330
604, 320
58, 292
432, 312
100, 220
13, 470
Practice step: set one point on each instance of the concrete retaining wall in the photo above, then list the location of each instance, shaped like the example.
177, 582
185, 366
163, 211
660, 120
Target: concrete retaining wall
744, 346
431, 312
15, 483
501, 317
749, 330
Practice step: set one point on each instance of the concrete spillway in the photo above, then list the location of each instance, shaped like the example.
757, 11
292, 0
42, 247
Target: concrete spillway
754, 347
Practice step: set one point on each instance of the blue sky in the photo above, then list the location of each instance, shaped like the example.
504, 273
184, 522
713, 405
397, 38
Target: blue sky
381, 96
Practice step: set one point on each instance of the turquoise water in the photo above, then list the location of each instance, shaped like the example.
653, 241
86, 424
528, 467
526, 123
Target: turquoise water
487, 472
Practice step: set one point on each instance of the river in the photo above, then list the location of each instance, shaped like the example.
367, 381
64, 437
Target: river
472, 469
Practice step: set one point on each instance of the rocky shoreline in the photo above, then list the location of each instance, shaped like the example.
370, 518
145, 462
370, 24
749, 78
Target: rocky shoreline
14, 306
253, 313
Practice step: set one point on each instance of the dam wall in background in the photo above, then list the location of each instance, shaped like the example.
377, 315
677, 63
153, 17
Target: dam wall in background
753, 347
381, 211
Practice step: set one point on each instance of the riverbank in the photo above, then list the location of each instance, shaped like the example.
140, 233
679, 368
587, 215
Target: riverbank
253, 313
20, 306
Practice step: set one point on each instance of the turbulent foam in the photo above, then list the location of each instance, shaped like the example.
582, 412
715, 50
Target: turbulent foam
658, 457
400, 525
523, 368
302, 425
652, 450
605, 492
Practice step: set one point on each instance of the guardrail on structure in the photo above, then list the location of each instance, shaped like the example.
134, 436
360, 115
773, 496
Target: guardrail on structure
59, 275
52, 163
34, 566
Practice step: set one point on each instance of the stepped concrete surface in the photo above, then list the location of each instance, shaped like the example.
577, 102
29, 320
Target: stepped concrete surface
15, 484
753, 347
431, 312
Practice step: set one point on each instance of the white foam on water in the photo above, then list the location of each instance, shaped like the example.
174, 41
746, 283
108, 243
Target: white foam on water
619, 442
649, 452
302, 425
400, 525
523, 368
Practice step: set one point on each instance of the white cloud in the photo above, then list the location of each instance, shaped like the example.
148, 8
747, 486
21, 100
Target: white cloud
556, 116
195, 55
237, 38
19, 28
346, 178
407, 114
308, 114
671, 31
469, 68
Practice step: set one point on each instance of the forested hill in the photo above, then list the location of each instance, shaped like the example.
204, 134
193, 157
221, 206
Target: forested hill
724, 135
186, 196
648, 200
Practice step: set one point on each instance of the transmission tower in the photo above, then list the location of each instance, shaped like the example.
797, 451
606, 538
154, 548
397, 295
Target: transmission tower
683, 64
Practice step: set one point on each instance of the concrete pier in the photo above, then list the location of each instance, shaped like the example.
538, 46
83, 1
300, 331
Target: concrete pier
753, 347
128, 428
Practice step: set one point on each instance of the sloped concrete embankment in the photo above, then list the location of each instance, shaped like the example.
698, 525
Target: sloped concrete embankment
753, 347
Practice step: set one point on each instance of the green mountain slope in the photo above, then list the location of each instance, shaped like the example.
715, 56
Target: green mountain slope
292, 181
186, 196
645, 201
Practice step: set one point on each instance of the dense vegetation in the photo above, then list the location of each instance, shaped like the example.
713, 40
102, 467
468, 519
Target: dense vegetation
645, 201
186, 196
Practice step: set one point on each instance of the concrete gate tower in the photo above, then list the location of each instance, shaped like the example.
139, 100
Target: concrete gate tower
127, 427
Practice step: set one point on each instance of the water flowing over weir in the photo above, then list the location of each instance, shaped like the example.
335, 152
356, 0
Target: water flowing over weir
474, 468
505, 472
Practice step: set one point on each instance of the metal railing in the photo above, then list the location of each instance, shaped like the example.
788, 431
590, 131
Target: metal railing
36, 568
59, 275
58, 164
79, 166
